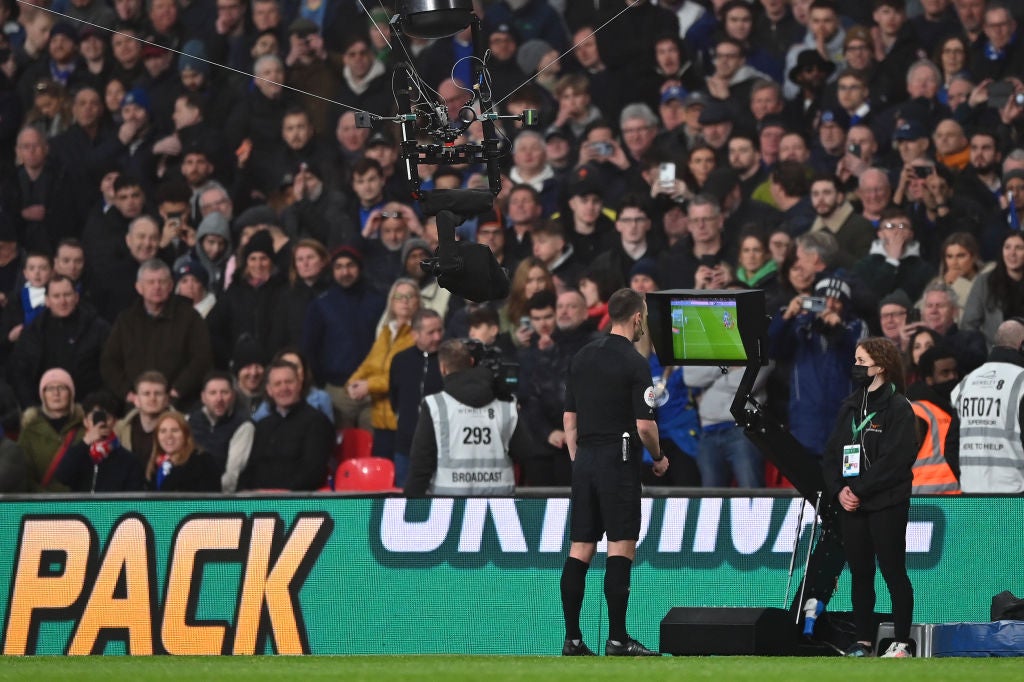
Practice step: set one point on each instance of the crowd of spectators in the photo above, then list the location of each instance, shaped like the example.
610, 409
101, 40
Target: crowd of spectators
204, 275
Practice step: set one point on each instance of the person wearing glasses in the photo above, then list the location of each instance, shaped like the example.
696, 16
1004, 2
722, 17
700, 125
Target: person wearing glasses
895, 261
635, 242
47, 431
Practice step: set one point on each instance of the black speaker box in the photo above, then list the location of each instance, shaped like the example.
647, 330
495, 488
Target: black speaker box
730, 632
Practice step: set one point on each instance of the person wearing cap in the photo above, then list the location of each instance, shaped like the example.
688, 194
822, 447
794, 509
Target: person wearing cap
588, 223
161, 332
137, 136
717, 121
912, 141
805, 88
192, 281
211, 250
825, 36
894, 261
64, 334
319, 210
893, 315
382, 147
247, 307
49, 429
339, 331
830, 142
817, 335
161, 80
95, 51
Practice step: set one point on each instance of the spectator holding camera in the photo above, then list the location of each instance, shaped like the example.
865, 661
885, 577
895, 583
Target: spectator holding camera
818, 334
99, 463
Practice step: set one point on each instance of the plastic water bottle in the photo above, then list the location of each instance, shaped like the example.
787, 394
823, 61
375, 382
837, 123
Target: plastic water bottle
812, 609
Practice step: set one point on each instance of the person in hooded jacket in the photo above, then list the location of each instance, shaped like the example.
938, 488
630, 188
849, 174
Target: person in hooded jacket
247, 308
212, 250
868, 467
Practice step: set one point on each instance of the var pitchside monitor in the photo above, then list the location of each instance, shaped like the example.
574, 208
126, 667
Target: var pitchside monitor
693, 327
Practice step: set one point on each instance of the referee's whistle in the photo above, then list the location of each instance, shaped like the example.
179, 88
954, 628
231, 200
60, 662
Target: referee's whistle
625, 446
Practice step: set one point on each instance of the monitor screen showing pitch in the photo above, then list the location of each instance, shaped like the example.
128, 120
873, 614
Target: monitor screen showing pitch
705, 329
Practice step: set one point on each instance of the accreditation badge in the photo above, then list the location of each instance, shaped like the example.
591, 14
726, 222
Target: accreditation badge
851, 461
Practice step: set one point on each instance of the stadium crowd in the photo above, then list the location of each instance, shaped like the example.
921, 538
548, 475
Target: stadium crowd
206, 276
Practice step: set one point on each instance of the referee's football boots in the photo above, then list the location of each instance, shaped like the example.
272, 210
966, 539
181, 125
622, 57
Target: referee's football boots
630, 647
576, 647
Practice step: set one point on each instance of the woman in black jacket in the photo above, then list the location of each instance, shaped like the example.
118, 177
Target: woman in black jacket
177, 465
868, 466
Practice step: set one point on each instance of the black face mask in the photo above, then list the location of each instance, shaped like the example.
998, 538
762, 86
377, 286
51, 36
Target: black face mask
946, 387
860, 377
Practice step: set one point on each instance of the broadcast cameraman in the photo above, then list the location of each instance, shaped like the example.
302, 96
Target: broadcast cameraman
466, 438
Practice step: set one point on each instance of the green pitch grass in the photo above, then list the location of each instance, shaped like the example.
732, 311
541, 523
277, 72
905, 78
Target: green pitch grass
476, 668
702, 334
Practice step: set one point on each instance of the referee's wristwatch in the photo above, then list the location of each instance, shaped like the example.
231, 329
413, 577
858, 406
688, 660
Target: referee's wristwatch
658, 458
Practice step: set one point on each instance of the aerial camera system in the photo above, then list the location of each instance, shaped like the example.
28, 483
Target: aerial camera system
464, 268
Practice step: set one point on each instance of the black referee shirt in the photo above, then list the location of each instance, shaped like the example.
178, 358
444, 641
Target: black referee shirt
609, 388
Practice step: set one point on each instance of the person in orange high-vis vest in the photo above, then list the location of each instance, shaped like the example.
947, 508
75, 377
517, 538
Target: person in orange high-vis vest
936, 470
932, 473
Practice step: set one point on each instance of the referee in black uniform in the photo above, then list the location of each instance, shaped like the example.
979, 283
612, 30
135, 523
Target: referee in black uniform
609, 413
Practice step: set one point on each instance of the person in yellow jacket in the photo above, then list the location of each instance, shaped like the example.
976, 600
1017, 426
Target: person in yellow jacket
372, 376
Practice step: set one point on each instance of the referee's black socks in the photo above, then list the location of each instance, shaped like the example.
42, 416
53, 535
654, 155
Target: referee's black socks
573, 584
616, 592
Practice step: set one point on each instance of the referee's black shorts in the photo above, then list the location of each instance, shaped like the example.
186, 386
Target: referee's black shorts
605, 495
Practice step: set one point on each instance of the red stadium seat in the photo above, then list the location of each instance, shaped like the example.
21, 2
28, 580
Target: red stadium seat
366, 474
353, 443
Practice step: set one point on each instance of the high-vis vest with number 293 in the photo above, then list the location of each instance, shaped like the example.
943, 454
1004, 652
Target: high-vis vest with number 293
472, 446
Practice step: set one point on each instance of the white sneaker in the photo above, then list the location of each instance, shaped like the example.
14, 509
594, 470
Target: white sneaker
897, 650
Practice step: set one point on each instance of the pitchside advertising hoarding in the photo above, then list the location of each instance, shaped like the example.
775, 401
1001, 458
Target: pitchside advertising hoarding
332, 575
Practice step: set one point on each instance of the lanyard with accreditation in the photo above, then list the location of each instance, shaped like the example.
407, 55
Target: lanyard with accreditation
852, 453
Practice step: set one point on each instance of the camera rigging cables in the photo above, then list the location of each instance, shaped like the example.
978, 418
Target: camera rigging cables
190, 56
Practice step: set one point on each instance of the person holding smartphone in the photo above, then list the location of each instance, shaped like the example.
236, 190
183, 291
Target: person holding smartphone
99, 463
